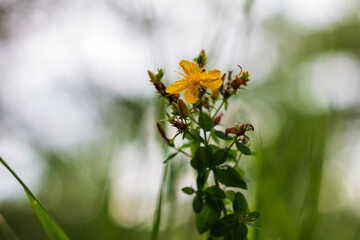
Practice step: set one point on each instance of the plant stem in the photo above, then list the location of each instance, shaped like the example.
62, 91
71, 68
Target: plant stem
218, 109
157, 217
193, 119
238, 160
182, 151
232, 143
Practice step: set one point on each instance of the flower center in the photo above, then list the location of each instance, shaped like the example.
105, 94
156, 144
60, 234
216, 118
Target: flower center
194, 78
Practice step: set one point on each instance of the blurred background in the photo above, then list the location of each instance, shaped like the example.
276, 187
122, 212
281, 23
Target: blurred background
78, 114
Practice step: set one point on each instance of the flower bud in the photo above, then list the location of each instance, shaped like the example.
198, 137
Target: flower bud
179, 125
205, 102
227, 93
217, 118
182, 108
152, 76
244, 140
235, 83
172, 97
215, 94
241, 129
175, 108
160, 87
240, 79
230, 130
245, 76
201, 59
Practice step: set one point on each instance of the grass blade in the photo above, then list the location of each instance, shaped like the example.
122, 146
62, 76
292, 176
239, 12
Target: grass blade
157, 217
52, 229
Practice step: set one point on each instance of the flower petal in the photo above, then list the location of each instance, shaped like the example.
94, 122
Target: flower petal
211, 79
191, 94
212, 84
177, 87
213, 74
188, 67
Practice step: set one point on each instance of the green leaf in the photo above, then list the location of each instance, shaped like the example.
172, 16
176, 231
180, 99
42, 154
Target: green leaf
215, 138
251, 217
240, 171
240, 205
197, 203
188, 190
232, 155
53, 230
186, 145
194, 135
243, 148
229, 177
224, 225
221, 135
230, 195
157, 216
202, 157
240, 232
214, 147
229, 237
171, 156
207, 217
201, 179
194, 146
220, 157
206, 122
215, 193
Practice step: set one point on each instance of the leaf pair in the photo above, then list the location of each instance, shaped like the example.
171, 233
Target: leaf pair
232, 225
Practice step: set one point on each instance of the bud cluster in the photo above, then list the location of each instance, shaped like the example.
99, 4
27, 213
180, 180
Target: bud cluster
156, 80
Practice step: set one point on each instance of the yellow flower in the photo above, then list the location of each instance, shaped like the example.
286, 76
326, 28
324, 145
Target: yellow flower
193, 78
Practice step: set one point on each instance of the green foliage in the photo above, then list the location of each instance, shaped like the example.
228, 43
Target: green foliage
224, 226
201, 179
208, 216
52, 229
240, 231
188, 190
171, 156
206, 122
220, 157
202, 158
240, 205
211, 151
215, 193
194, 135
229, 177
243, 148
252, 216
197, 203
221, 135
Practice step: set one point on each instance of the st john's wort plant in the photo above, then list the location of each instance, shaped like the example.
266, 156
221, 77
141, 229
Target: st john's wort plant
220, 206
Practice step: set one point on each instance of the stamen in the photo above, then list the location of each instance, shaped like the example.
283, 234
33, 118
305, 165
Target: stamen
180, 73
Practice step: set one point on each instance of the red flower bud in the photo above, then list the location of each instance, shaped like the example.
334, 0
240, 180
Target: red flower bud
179, 125
217, 118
